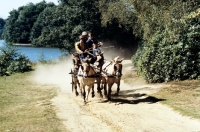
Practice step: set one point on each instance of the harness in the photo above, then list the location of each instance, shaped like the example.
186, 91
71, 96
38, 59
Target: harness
91, 76
75, 70
108, 74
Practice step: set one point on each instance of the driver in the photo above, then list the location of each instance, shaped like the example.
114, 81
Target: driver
81, 46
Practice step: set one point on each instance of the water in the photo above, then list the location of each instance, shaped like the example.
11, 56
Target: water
34, 54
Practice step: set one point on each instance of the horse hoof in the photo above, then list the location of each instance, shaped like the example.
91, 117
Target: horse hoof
93, 95
108, 98
116, 94
84, 103
77, 93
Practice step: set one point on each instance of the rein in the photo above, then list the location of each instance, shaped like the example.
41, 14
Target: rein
110, 75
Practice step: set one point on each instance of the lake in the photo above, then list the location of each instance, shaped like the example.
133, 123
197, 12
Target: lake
34, 54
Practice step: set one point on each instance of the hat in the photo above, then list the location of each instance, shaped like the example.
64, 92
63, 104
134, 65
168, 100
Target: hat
84, 33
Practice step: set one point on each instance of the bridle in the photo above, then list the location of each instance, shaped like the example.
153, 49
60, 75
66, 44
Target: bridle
76, 63
117, 70
86, 72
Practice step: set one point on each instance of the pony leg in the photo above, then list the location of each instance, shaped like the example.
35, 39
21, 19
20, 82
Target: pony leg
118, 88
98, 87
76, 92
105, 89
81, 90
74, 86
104, 86
84, 95
79, 85
93, 91
109, 91
88, 91
75, 81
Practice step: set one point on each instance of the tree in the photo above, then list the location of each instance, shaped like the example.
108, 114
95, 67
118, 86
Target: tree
165, 60
11, 33
2, 23
61, 26
121, 12
20, 22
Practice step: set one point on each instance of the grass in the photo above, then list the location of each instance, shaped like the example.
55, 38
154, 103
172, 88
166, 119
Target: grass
26, 106
182, 96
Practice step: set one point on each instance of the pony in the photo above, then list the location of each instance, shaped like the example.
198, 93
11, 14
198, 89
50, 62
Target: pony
86, 77
74, 71
97, 61
111, 73
98, 68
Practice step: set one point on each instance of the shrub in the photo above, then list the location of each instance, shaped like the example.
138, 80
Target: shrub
167, 59
12, 61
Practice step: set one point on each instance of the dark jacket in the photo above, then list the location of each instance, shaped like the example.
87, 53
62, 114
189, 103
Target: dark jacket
90, 42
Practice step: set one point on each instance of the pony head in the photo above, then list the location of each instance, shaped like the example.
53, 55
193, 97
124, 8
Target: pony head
117, 60
118, 66
76, 63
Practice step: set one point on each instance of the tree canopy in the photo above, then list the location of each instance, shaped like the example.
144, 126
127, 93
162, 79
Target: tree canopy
2, 23
20, 22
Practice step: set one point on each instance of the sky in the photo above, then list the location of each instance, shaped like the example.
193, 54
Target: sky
8, 5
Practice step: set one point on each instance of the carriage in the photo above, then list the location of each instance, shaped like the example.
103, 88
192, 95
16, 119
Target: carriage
86, 72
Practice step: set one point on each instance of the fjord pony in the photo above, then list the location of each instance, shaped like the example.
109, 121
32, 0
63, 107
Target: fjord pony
111, 73
98, 68
86, 77
74, 71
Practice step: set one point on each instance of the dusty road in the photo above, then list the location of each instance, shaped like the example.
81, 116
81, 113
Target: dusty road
134, 110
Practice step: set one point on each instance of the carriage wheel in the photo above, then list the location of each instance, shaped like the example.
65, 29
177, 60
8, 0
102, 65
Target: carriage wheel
72, 85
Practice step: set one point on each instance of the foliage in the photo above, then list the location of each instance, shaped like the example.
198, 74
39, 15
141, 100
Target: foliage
11, 61
166, 59
138, 55
2, 23
167, 31
60, 26
121, 12
120, 22
20, 22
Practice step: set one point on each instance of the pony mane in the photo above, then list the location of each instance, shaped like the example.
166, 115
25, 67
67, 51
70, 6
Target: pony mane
118, 60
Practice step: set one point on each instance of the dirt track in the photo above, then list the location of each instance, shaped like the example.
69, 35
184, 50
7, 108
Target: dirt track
134, 110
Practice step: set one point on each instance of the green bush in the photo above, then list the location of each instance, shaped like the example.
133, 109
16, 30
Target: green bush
11, 61
165, 59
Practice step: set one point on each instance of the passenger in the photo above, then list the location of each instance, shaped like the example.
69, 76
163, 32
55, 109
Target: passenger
95, 51
91, 40
81, 47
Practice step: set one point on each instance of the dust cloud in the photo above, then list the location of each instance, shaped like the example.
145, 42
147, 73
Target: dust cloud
58, 74
55, 74
112, 49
